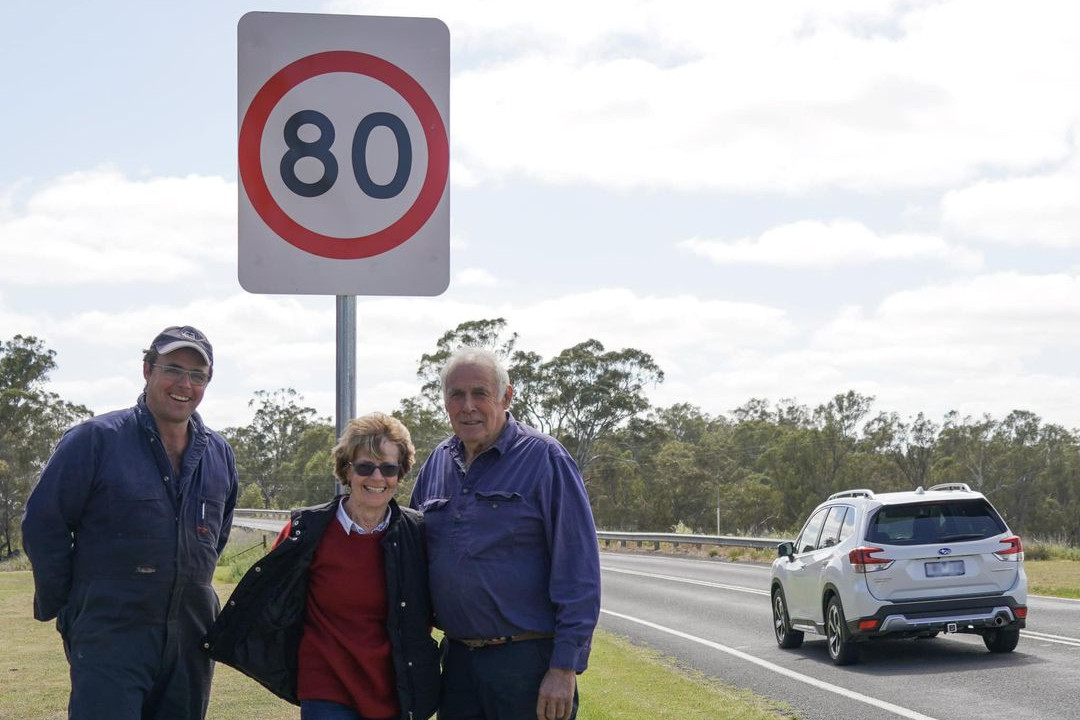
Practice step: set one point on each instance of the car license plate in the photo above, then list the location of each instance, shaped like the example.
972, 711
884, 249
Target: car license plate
945, 569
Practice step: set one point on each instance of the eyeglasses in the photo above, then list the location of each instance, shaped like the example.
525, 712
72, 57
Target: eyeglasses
174, 374
363, 469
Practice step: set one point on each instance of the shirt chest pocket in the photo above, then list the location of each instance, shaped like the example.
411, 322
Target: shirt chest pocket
502, 521
492, 502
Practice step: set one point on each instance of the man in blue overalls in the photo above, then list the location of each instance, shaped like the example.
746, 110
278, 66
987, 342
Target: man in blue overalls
124, 530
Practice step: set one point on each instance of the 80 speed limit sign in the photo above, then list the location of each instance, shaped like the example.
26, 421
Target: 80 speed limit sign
343, 154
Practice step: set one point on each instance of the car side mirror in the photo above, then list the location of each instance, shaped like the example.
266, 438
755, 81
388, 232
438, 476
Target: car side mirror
786, 549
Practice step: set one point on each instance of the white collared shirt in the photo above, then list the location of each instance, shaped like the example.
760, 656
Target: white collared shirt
351, 527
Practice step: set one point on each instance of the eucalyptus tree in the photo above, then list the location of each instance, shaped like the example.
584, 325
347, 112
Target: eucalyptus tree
578, 396
32, 419
800, 454
487, 334
590, 392
910, 445
1028, 469
277, 442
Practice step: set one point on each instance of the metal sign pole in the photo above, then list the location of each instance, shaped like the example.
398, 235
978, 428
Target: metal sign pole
346, 367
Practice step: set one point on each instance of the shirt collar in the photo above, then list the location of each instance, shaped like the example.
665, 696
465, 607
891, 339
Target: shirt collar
508, 435
502, 443
351, 527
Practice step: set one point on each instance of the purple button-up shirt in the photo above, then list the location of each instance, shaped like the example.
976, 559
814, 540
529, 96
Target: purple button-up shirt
511, 542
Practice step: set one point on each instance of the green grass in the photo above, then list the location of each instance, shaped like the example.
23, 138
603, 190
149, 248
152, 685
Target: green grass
625, 681
33, 671
234, 696
1060, 578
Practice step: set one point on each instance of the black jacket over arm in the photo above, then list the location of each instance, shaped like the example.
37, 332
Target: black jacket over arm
258, 631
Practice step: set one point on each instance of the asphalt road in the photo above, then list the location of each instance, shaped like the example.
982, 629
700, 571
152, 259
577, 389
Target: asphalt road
715, 617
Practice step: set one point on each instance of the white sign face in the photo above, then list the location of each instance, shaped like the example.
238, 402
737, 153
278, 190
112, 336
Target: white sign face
343, 154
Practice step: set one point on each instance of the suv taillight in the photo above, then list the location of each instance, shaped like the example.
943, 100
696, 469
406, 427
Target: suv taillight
1014, 550
863, 561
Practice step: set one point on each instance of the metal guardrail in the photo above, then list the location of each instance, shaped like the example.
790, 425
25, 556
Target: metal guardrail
677, 539
605, 537
255, 513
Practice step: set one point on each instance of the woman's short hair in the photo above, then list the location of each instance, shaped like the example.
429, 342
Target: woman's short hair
366, 434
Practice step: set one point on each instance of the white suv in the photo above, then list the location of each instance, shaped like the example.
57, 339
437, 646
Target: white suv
900, 564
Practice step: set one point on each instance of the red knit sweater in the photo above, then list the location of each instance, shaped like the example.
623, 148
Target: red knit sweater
345, 649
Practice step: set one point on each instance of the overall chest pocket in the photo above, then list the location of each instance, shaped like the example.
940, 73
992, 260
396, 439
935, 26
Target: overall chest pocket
209, 514
140, 509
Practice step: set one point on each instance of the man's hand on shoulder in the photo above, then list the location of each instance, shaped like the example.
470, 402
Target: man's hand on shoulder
556, 699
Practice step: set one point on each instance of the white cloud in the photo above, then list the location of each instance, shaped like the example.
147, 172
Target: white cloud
987, 323
1032, 210
475, 278
100, 226
994, 342
687, 337
813, 244
989, 344
790, 98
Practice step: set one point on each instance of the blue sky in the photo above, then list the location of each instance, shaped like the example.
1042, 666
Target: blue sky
781, 200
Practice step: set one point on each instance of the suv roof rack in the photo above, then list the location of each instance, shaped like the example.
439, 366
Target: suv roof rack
861, 492
963, 487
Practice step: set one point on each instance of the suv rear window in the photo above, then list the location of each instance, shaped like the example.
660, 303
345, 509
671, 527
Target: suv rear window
935, 522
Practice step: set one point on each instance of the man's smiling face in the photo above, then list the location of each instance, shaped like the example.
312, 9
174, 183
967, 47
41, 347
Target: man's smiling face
477, 413
173, 401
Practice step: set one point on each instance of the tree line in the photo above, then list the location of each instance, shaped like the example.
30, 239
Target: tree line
757, 471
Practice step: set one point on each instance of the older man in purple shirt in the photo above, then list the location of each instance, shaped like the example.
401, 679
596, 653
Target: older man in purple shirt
514, 562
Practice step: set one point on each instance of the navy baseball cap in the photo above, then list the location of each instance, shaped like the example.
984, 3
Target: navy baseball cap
176, 337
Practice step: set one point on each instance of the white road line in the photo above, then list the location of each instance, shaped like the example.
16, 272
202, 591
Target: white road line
859, 697
1055, 598
672, 578
1059, 639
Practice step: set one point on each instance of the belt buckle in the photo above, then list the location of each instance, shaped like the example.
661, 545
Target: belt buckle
477, 643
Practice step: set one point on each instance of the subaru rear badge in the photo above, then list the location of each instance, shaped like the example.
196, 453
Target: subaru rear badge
944, 551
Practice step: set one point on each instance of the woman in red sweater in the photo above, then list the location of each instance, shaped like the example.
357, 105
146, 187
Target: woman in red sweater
337, 617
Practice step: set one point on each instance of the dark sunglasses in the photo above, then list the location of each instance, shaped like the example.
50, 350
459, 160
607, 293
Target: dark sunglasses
363, 469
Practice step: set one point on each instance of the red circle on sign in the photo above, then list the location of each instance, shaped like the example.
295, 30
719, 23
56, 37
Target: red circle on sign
328, 246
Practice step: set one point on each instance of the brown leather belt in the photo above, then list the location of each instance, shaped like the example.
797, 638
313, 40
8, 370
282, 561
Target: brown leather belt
476, 643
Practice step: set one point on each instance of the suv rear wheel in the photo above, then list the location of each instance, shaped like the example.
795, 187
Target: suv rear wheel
785, 636
842, 649
1002, 640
